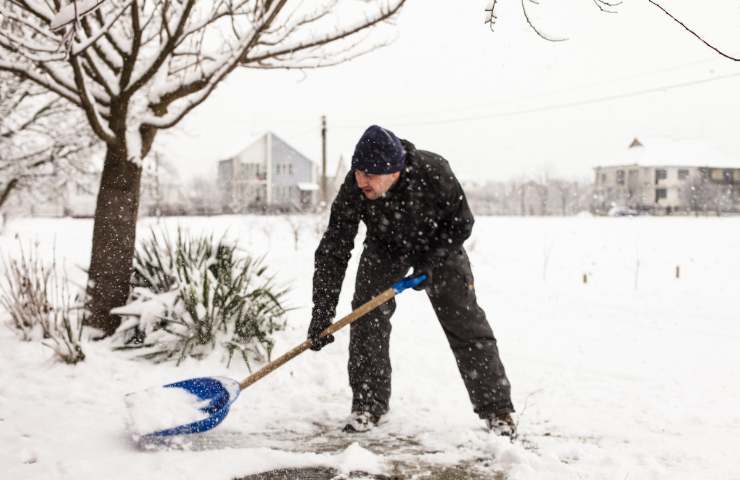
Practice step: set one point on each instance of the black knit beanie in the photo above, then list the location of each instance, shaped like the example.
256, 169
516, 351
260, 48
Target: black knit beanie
379, 151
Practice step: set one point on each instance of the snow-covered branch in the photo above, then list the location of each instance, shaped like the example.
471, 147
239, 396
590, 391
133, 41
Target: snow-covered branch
37, 128
102, 31
142, 65
90, 106
318, 41
41, 80
253, 41
37, 9
166, 51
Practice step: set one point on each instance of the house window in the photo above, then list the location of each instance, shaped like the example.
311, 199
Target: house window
683, 174
290, 169
716, 174
736, 175
620, 177
660, 193
603, 178
660, 174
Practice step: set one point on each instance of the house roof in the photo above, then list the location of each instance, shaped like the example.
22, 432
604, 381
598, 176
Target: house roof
231, 150
237, 148
671, 153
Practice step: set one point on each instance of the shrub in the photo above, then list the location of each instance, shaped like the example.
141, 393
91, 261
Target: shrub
196, 293
41, 305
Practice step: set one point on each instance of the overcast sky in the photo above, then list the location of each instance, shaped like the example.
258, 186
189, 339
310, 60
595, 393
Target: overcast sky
502, 104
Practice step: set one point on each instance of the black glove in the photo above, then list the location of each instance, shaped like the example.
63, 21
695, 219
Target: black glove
318, 325
423, 269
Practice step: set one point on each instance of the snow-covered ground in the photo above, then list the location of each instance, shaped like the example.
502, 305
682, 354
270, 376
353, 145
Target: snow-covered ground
632, 375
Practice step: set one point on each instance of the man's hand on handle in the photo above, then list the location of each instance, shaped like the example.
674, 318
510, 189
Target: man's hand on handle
423, 269
318, 324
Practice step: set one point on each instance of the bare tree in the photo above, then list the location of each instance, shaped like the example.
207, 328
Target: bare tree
605, 6
204, 197
701, 195
137, 67
566, 192
546, 196
542, 190
296, 225
40, 137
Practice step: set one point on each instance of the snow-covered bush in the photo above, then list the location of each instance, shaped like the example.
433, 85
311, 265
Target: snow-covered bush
42, 304
194, 294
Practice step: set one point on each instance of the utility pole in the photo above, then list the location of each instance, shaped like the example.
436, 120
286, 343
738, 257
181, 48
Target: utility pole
324, 193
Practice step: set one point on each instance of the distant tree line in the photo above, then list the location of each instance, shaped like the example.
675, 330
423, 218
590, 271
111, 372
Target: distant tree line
530, 196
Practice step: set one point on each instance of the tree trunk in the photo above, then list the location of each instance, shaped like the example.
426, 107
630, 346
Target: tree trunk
114, 239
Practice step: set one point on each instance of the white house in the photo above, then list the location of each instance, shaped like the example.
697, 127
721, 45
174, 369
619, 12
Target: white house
269, 173
664, 177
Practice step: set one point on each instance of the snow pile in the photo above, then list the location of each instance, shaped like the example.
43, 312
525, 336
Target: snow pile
156, 409
358, 459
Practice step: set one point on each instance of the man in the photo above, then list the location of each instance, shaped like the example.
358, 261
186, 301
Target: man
416, 216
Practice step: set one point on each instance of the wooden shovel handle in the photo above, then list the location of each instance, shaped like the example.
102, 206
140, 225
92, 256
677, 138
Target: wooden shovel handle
372, 304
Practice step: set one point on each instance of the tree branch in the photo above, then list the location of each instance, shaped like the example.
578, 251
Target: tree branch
685, 27
110, 38
130, 60
328, 39
102, 31
536, 30
88, 103
6, 191
37, 115
53, 86
34, 9
164, 53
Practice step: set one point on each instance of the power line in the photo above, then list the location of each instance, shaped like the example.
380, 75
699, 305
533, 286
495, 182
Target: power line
571, 88
560, 106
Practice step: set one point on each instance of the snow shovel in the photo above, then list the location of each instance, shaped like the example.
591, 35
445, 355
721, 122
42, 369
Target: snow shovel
211, 397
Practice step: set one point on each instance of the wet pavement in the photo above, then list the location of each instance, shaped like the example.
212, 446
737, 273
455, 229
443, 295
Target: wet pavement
402, 472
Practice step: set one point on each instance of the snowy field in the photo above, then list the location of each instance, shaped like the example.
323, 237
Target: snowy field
632, 375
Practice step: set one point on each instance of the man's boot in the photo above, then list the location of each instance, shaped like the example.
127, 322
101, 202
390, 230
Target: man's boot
360, 422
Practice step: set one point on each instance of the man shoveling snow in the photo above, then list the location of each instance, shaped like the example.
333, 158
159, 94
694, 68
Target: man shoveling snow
416, 216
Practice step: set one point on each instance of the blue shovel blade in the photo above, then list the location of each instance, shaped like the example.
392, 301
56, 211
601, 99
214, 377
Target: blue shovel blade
220, 392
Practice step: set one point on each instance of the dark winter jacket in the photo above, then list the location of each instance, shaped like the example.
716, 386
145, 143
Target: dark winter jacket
420, 220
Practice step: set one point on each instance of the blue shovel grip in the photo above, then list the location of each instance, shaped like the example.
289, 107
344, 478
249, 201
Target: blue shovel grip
408, 282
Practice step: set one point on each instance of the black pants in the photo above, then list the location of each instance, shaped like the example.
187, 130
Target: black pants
470, 336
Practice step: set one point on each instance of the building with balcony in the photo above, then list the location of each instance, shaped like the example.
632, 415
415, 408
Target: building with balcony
268, 174
665, 177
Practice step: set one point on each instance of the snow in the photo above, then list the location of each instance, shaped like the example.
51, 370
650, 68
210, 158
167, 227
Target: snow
355, 458
72, 12
633, 374
162, 408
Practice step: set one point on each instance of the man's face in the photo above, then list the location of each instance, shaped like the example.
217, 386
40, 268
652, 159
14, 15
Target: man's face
373, 185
